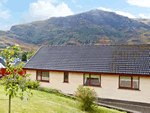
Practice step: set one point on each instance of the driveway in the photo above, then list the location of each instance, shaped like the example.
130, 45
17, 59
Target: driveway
137, 107
131, 107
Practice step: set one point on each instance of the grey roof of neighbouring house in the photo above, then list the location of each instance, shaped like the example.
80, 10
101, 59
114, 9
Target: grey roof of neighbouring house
19, 62
127, 59
2, 61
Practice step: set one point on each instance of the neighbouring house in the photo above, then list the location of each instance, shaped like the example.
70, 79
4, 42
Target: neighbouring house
3, 68
15, 60
2, 65
19, 62
119, 72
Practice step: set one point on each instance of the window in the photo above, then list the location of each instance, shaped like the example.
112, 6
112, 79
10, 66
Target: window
128, 82
43, 76
66, 77
92, 80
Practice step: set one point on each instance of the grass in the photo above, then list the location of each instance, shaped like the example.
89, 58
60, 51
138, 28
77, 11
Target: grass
43, 102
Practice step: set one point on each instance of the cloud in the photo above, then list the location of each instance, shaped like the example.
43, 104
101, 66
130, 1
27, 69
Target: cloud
141, 3
79, 6
125, 14
51, 1
1, 5
44, 9
5, 1
73, 1
104, 9
5, 14
47, 9
143, 16
7, 26
118, 12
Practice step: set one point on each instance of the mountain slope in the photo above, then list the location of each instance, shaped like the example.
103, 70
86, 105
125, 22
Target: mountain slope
6, 41
92, 27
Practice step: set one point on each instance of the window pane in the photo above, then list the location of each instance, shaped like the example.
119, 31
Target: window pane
86, 79
66, 77
45, 75
125, 81
39, 75
95, 79
136, 82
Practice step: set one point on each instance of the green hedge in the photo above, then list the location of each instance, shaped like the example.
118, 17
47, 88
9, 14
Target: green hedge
48, 90
53, 91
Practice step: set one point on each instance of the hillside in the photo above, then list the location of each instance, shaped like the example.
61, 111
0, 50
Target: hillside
145, 21
94, 27
6, 41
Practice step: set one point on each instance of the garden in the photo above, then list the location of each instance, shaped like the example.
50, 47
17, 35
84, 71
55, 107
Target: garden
45, 102
18, 94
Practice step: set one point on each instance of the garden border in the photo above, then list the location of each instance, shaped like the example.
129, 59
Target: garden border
104, 105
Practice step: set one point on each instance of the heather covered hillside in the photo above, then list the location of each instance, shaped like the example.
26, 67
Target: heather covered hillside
95, 27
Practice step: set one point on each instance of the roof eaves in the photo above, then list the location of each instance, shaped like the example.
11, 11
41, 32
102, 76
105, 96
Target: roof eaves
89, 71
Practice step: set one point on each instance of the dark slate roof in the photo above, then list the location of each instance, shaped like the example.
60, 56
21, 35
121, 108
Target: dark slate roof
127, 59
2, 61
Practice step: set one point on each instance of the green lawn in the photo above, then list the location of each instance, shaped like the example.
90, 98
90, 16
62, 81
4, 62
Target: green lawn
43, 102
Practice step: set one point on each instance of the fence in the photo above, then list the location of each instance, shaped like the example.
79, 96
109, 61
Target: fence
4, 73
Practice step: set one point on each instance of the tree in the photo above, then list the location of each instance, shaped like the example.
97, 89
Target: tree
14, 83
30, 54
24, 56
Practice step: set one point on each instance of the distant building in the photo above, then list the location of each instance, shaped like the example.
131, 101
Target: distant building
15, 60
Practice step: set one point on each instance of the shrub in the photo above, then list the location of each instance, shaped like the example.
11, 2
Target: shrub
32, 84
0, 82
86, 98
48, 90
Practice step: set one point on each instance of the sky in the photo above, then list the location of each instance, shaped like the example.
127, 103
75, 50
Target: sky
13, 12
